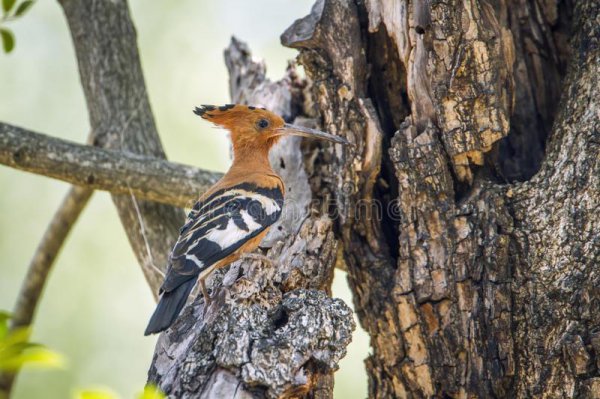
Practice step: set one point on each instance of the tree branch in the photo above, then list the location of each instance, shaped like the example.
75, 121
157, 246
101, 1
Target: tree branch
47, 252
145, 177
41, 264
120, 117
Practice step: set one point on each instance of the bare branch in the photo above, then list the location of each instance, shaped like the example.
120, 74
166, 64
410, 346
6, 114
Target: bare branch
41, 264
145, 177
46, 253
111, 74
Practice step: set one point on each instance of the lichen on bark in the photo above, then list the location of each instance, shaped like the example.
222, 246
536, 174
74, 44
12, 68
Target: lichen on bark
273, 349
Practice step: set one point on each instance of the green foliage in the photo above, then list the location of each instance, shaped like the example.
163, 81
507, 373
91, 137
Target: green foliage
23, 7
96, 394
7, 5
150, 392
10, 13
4, 317
8, 40
16, 351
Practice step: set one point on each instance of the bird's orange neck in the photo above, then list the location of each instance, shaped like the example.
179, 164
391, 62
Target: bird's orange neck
252, 161
253, 157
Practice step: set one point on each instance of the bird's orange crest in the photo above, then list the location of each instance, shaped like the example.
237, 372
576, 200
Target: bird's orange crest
241, 118
254, 128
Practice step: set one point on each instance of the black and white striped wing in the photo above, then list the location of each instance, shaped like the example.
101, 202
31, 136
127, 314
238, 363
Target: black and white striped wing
218, 226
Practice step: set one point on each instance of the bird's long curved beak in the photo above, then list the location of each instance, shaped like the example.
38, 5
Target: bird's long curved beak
294, 130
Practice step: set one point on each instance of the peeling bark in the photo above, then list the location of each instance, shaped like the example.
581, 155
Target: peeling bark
468, 288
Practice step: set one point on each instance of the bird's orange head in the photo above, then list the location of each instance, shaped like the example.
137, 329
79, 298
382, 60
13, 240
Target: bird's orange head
254, 128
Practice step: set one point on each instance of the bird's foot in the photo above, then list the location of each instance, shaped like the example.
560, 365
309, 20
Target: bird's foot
207, 300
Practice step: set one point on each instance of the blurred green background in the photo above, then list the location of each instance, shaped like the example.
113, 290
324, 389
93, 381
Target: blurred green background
96, 304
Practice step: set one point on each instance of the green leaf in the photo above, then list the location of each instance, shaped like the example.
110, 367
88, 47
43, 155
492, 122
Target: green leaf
5, 315
16, 351
7, 5
96, 394
151, 392
23, 7
8, 40
4, 318
17, 348
16, 337
39, 357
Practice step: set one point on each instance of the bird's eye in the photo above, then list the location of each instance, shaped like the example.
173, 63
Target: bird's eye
262, 123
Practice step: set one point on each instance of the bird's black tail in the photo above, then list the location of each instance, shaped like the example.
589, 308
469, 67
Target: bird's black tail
168, 307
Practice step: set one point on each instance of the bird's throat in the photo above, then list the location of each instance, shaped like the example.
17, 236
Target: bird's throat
251, 159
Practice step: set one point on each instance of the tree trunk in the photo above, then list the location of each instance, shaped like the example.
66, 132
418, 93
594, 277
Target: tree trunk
470, 286
121, 118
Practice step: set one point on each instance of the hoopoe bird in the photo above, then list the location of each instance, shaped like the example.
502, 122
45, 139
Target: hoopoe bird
233, 216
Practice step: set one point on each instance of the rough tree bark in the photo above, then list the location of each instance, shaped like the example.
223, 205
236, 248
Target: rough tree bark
468, 286
121, 118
